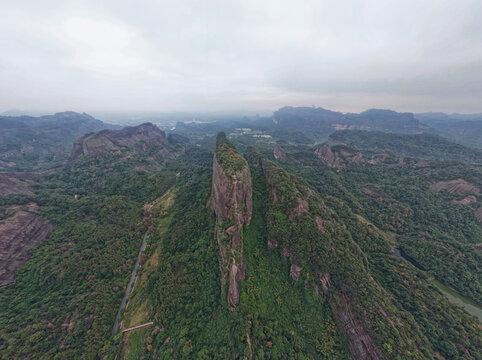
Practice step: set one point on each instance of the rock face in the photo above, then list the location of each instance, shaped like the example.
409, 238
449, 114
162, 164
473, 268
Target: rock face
295, 271
20, 233
478, 214
471, 199
458, 186
279, 154
338, 156
15, 184
361, 344
231, 202
136, 138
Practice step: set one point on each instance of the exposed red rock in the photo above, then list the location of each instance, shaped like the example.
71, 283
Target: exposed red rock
325, 281
232, 200
458, 186
301, 208
361, 344
279, 153
386, 316
338, 156
295, 271
136, 139
471, 199
20, 233
478, 214
319, 224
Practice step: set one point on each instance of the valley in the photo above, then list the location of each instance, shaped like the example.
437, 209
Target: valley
260, 244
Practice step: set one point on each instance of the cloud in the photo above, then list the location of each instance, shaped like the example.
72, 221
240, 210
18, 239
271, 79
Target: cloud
226, 55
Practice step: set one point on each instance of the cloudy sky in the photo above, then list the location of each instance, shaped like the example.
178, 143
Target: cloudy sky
209, 55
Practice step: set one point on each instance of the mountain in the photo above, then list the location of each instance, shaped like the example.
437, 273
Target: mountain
245, 245
427, 146
319, 122
463, 128
145, 139
37, 143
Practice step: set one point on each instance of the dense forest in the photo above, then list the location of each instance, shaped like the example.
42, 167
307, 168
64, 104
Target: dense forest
257, 248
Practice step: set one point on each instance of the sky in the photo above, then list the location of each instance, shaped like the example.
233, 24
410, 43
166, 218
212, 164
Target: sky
250, 55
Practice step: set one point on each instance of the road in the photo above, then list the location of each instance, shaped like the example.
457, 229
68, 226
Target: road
128, 290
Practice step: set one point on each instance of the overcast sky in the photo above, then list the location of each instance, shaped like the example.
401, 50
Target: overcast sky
162, 55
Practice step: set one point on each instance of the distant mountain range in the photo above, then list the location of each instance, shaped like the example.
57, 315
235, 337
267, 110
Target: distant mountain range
36, 143
319, 123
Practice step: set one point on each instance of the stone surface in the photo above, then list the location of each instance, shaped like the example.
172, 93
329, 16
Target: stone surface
20, 233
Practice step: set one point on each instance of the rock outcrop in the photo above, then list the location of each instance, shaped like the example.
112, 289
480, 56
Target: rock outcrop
338, 156
361, 343
458, 186
137, 138
279, 153
471, 199
20, 233
478, 214
231, 201
20, 183
13, 184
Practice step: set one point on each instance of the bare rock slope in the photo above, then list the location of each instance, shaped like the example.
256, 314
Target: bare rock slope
338, 156
135, 139
20, 233
231, 201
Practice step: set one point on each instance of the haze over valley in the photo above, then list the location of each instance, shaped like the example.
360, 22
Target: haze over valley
199, 180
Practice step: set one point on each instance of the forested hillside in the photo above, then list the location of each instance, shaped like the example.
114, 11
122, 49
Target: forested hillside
39, 143
256, 247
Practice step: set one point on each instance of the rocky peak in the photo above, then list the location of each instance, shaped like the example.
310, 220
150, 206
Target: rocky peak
136, 138
338, 156
231, 201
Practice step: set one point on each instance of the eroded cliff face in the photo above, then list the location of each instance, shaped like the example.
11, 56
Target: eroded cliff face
231, 202
338, 156
143, 139
20, 233
279, 153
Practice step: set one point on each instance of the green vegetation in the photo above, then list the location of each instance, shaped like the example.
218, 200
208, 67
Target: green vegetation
399, 210
66, 296
228, 157
318, 252
35, 144
416, 145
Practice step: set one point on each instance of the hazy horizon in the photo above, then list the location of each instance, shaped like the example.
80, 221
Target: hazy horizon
195, 57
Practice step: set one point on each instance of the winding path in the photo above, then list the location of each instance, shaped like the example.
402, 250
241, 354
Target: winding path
128, 290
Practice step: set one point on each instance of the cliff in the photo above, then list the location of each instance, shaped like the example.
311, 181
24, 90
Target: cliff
20, 233
137, 138
279, 153
338, 156
231, 201
146, 139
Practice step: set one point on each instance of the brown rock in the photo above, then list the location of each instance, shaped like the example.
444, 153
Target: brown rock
478, 214
458, 186
360, 342
295, 271
231, 200
20, 233
471, 199
279, 154
338, 156
319, 225
229, 195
